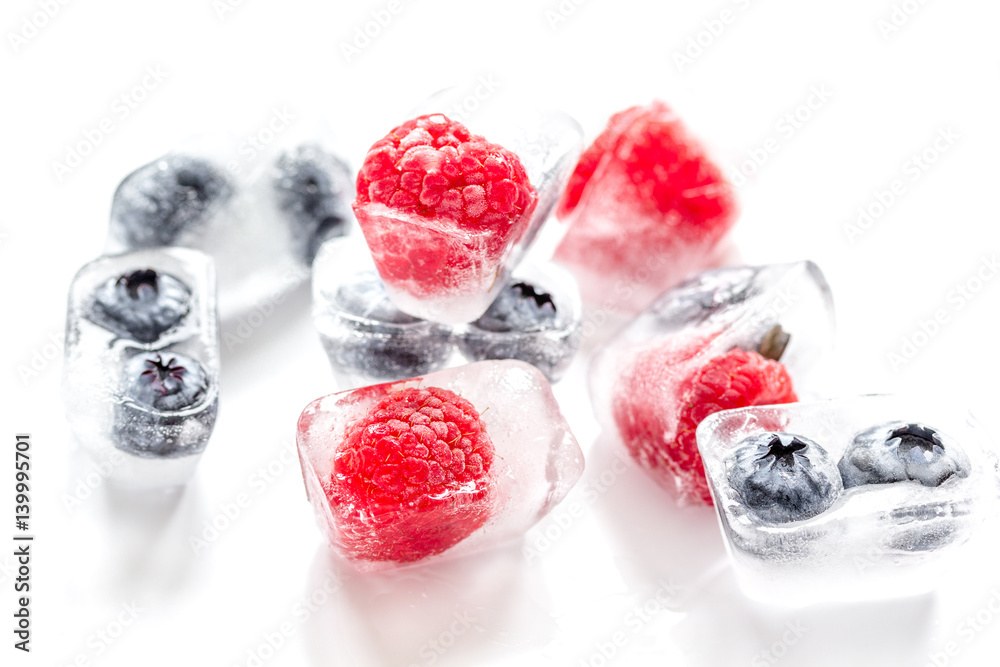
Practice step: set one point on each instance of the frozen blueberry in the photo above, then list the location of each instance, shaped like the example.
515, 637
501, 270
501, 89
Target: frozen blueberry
160, 201
519, 307
377, 340
524, 322
901, 451
158, 415
141, 305
312, 187
365, 298
783, 477
702, 297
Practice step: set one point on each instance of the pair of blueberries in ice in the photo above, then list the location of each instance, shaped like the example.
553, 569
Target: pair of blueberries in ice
784, 477
142, 306
168, 200
386, 343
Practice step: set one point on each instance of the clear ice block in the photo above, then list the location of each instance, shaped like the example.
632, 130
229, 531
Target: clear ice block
141, 370
366, 338
262, 222
434, 266
646, 208
931, 481
536, 318
396, 476
726, 338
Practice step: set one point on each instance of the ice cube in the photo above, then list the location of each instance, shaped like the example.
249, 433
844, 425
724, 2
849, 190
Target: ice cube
261, 223
447, 219
366, 338
646, 208
312, 189
536, 318
726, 338
930, 482
169, 201
141, 370
451, 463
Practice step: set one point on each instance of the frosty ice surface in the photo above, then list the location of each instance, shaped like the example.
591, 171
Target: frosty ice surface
653, 382
367, 338
262, 223
444, 251
518, 460
930, 482
536, 318
141, 369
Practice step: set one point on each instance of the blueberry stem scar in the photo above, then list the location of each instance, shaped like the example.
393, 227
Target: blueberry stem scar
137, 279
160, 371
528, 292
914, 436
783, 452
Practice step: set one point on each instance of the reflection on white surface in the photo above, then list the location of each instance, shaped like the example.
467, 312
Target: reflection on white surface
654, 539
138, 538
446, 613
896, 632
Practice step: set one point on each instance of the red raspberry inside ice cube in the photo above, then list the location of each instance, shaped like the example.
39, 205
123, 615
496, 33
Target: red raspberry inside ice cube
412, 478
433, 168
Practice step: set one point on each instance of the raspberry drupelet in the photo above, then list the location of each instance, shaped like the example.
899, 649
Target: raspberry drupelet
413, 476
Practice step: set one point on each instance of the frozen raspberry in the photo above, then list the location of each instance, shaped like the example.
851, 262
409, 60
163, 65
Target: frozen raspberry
412, 477
645, 204
658, 426
603, 145
433, 168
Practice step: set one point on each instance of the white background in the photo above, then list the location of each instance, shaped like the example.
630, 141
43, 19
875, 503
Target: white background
890, 92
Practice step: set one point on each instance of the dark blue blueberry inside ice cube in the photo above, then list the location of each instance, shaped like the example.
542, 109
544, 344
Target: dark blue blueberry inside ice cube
155, 386
520, 306
378, 340
366, 297
165, 381
901, 451
706, 295
141, 305
312, 188
524, 322
159, 202
783, 477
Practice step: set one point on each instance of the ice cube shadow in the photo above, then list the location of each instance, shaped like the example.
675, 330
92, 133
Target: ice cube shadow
450, 613
145, 553
896, 632
654, 539
242, 341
